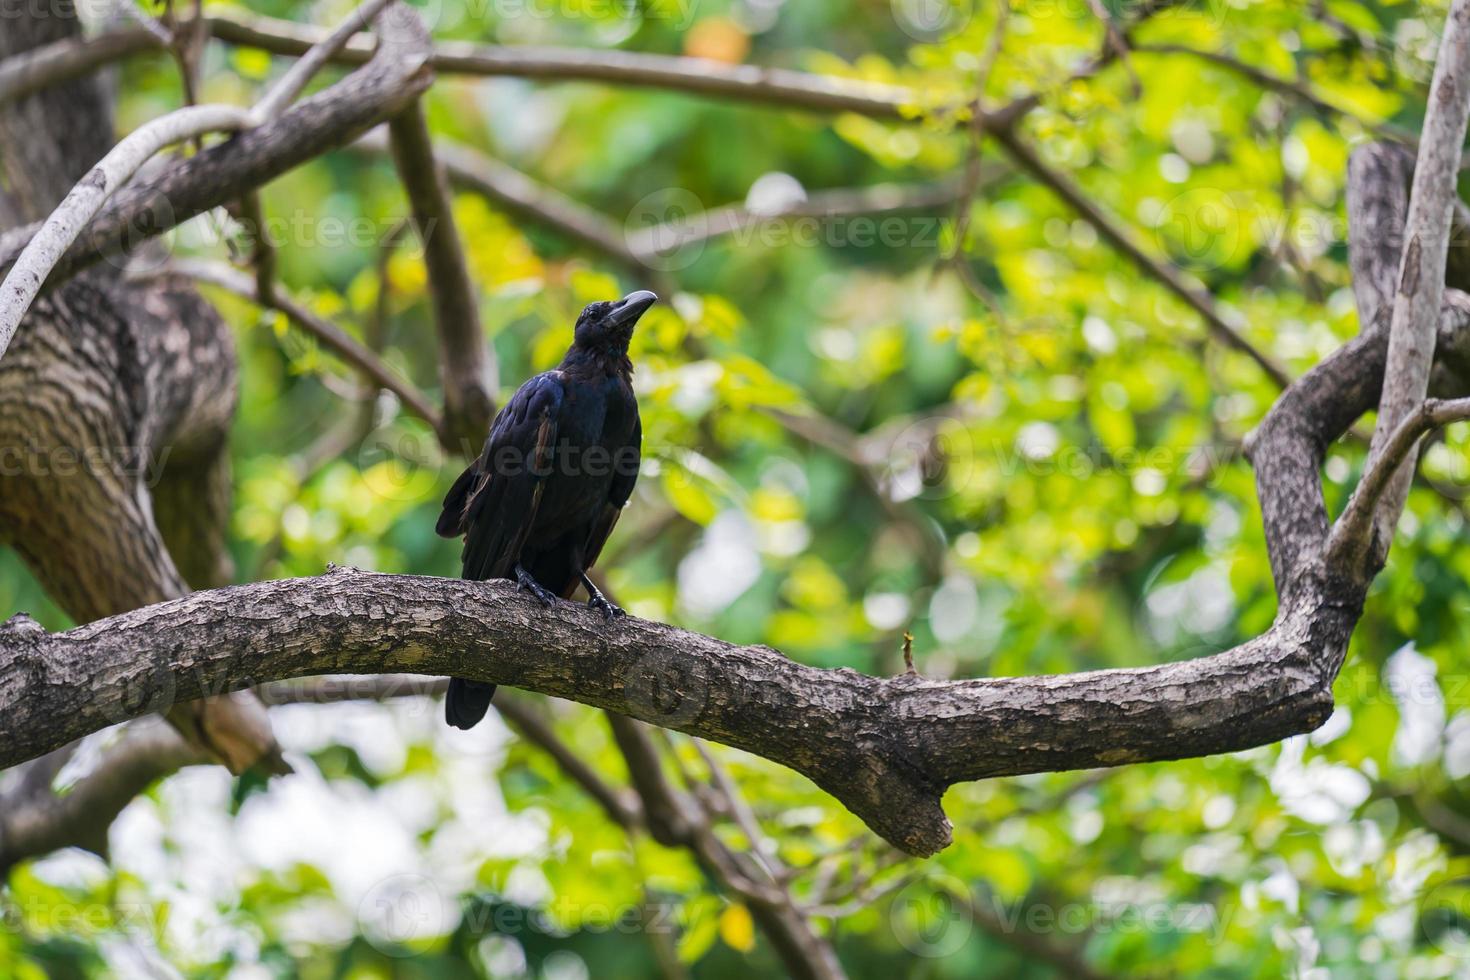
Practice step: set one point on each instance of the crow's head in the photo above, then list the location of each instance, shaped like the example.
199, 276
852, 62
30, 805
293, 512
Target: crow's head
609, 326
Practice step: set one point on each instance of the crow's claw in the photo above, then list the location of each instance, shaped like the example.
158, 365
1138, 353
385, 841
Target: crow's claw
525, 583
609, 611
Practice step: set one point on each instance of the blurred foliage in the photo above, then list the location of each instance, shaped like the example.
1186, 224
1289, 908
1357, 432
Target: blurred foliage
1090, 508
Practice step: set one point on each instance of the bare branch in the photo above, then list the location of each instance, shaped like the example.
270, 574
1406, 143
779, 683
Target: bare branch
776, 86
69, 58
37, 821
1354, 527
1116, 43
330, 118
887, 748
290, 85
351, 350
732, 219
1416, 308
34, 264
1122, 239
465, 363
146, 21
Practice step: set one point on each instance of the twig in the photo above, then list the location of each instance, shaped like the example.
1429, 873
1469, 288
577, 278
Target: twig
862, 898
732, 219
745, 818
1283, 86
1116, 42
349, 349
1122, 239
146, 21
1350, 534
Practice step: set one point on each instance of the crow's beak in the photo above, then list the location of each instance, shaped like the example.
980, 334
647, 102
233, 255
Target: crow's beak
630, 308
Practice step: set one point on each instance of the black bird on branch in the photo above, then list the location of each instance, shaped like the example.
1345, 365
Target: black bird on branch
538, 504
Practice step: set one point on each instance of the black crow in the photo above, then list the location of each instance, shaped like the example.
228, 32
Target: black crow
538, 504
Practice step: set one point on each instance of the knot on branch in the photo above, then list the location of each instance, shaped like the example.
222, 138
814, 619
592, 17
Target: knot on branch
21, 624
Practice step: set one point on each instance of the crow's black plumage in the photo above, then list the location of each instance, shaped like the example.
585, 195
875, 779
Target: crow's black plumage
560, 463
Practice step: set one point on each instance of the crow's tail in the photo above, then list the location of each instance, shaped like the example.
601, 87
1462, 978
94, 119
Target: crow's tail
467, 702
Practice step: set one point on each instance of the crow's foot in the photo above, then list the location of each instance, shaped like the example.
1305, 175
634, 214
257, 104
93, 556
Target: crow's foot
599, 601
609, 611
525, 583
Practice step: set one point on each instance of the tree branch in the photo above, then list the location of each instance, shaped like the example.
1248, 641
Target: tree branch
776, 86
296, 78
1416, 308
464, 362
36, 821
34, 264
69, 58
1354, 527
885, 748
222, 173
354, 352
1121, 239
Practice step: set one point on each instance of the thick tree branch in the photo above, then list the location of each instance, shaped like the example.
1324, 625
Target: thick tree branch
885, 748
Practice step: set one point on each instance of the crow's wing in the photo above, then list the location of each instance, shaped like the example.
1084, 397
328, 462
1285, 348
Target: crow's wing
626, 476
494, 501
